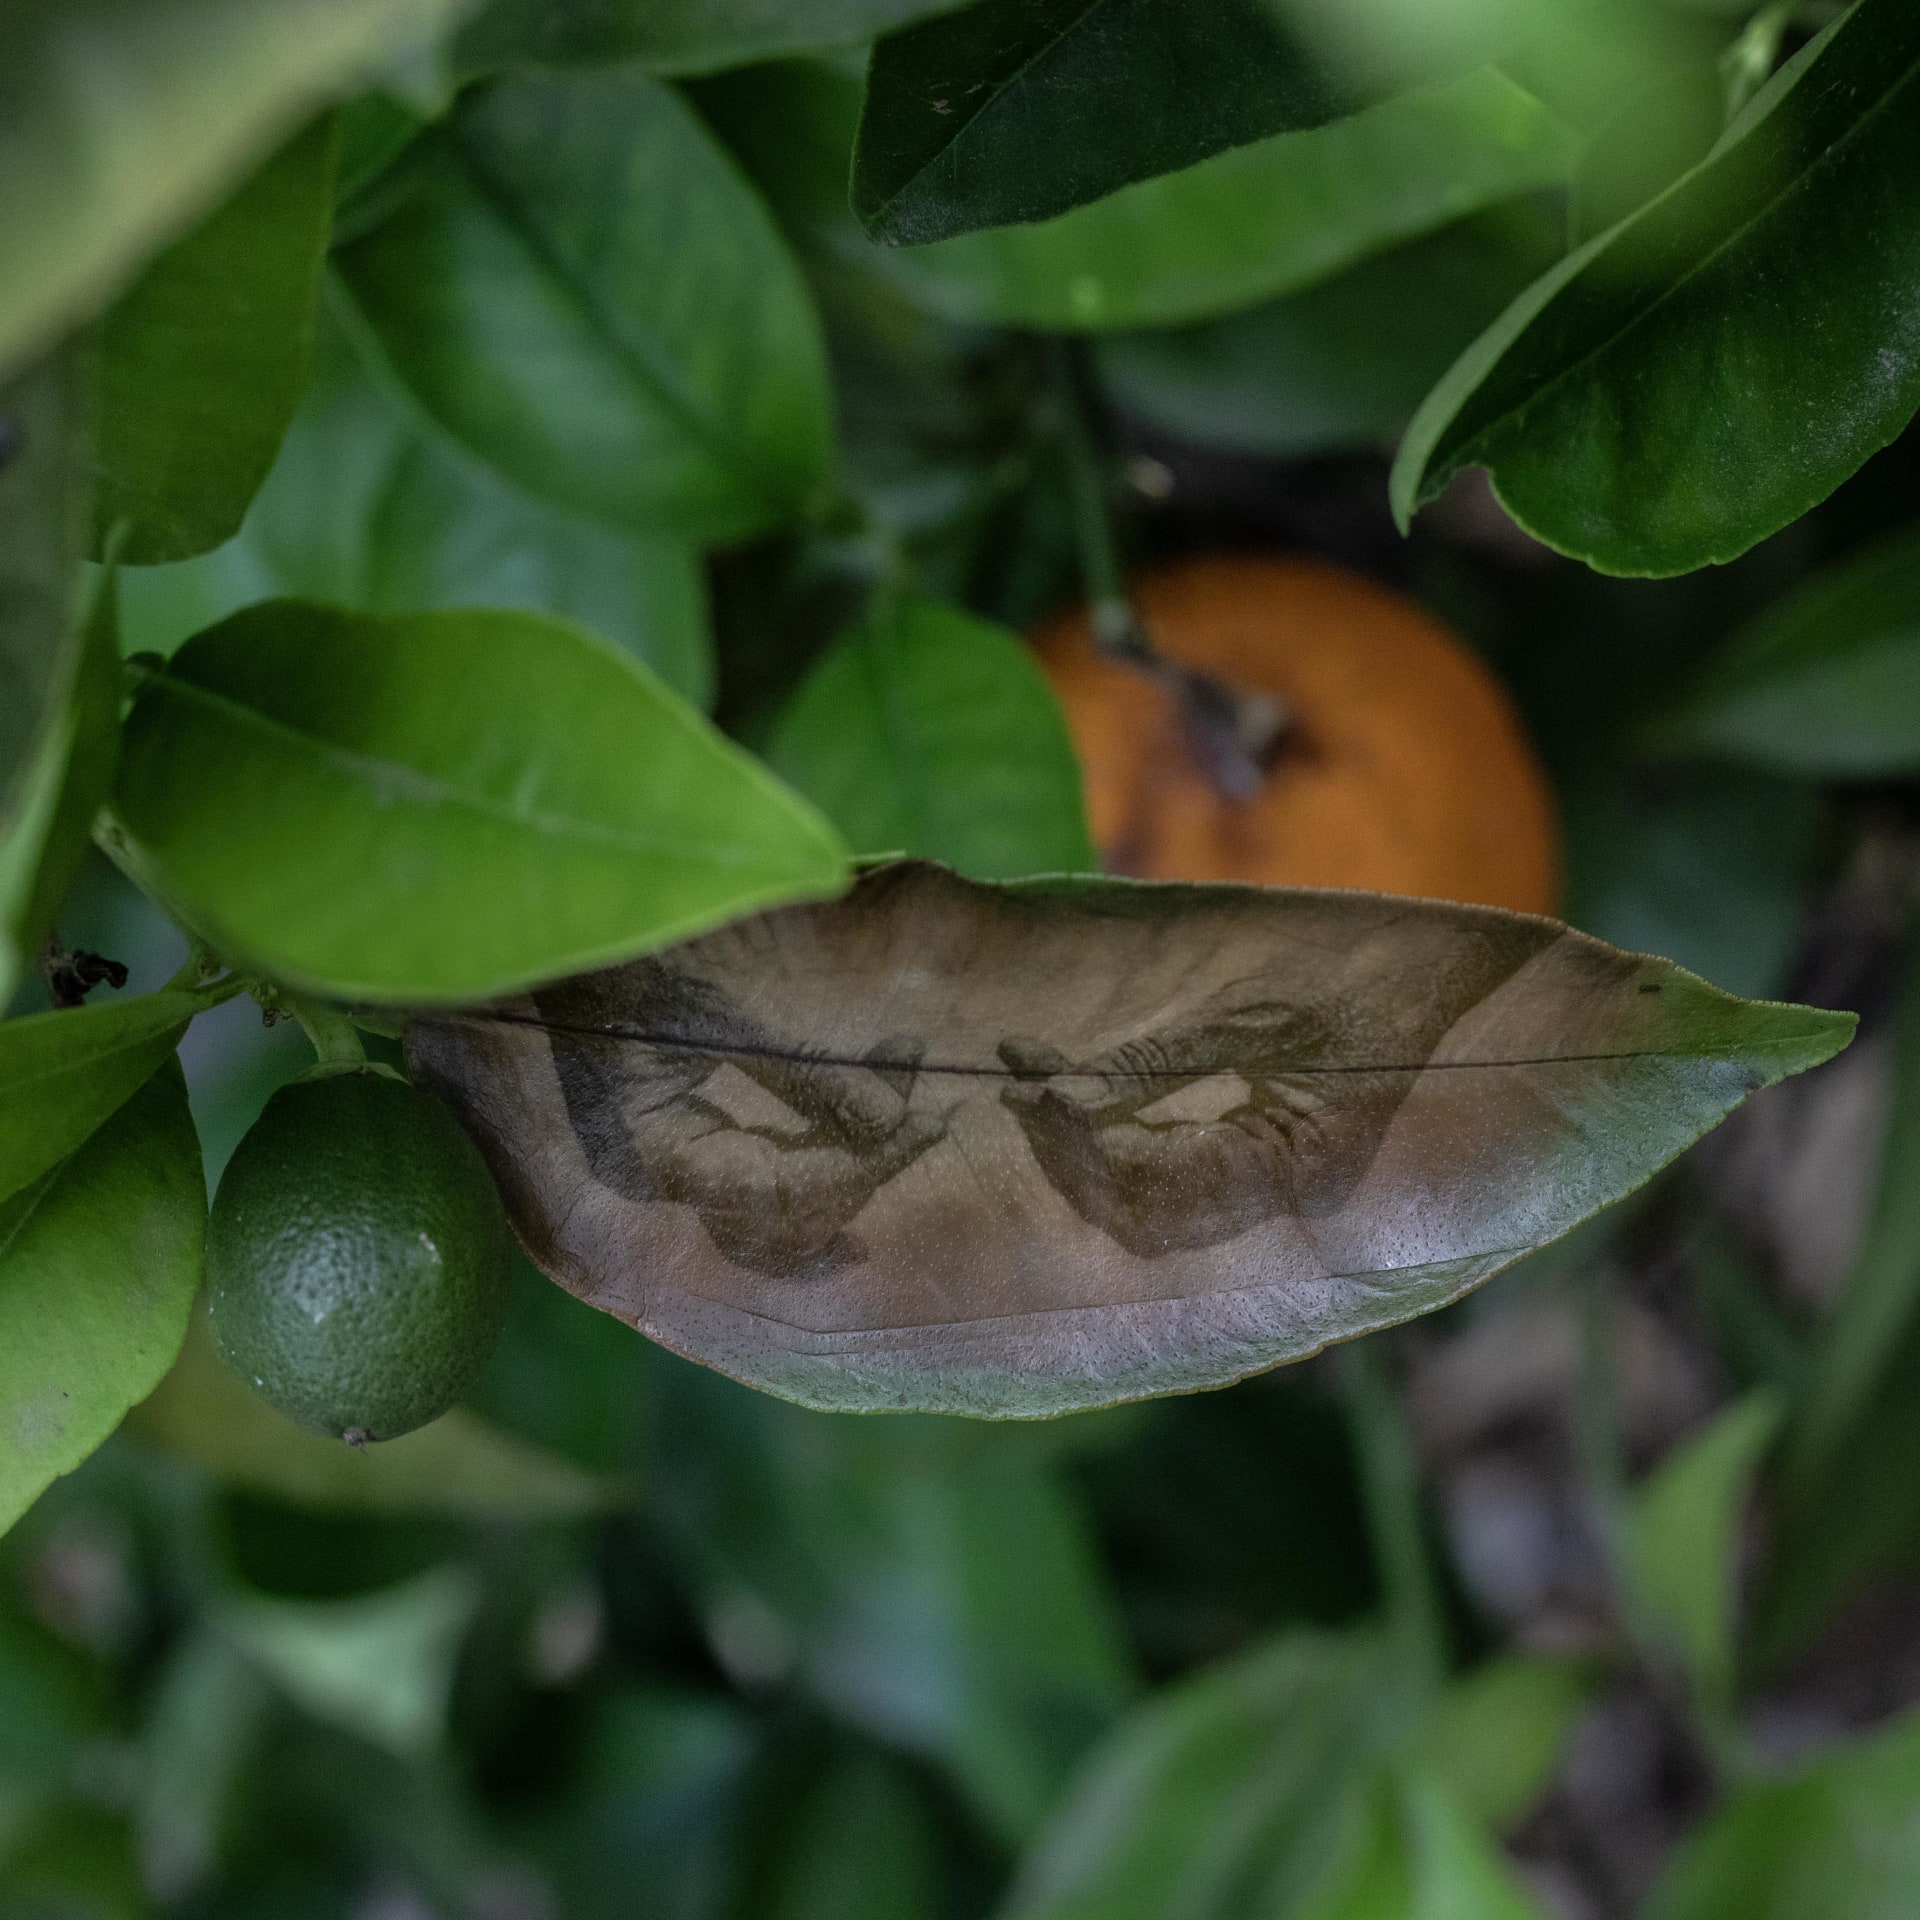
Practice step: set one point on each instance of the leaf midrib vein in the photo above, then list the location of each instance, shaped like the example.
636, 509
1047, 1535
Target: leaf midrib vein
801, 1056
433, 788
652, 372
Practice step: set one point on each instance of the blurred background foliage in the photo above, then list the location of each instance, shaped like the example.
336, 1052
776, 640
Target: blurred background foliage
622, 1638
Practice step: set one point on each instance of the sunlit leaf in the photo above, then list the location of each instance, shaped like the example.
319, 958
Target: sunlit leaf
99, 1261
1015, 1150
439, 806
1343, 363
125, 120
1652, 405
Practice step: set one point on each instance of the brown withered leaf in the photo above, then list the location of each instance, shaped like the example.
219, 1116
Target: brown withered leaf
1015, 1150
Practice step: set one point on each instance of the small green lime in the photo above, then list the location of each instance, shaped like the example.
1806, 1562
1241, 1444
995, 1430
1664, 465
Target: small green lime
357, 1257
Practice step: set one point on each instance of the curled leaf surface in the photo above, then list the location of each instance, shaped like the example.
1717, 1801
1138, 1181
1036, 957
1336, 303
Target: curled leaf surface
1016, 1150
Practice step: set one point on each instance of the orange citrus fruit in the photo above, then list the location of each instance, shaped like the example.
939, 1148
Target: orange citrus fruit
1404, 768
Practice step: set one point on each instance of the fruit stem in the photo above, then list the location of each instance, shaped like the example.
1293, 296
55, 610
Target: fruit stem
1233, 732
335, 1040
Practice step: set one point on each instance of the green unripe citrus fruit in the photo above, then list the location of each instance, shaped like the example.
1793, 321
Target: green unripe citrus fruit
357, 1257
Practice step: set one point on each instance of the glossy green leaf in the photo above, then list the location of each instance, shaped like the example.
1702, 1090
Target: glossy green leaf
1826, 682
126, 120
580, 286
99, 1261
1344, 363
45, 482
459, 1464
1836, 1841
441, 806
379, 1665
1013, 111
1683, 1541
63, 1074
1013, 1150
928, 1581
928, 732
203, 358
1652, 405
366, 508
674, 36
1259, 221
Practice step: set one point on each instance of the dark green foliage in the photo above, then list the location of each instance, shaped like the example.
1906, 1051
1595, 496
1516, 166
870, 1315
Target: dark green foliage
1649, 405
392, 486
1009, 111
203, 358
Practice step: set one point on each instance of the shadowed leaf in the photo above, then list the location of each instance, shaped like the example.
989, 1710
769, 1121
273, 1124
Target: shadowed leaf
366, 508
1010, 110
1826, 682
1651, 405
98, 1266
121, 122
1016, 1150
53, 739
1683, 1541
673, 36
578, 285
203, 359
1260, 221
